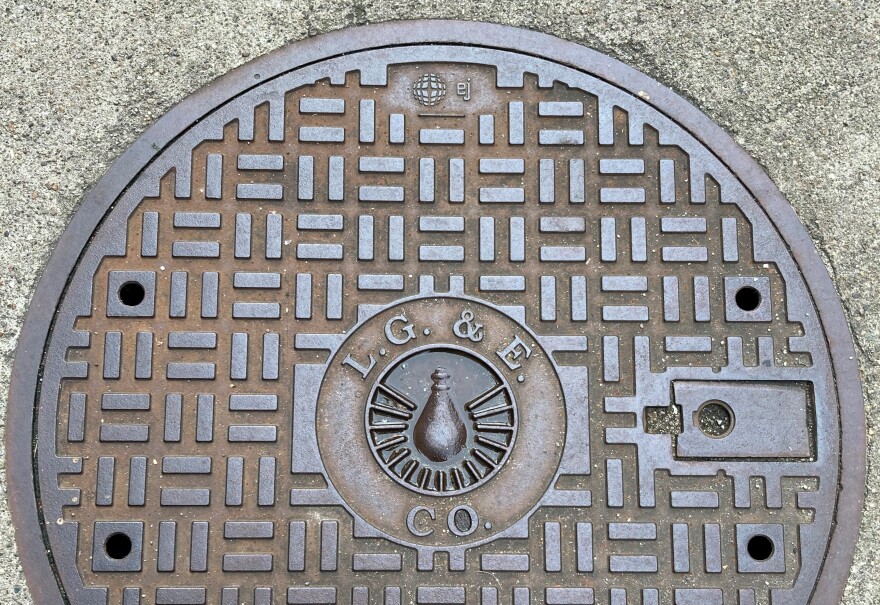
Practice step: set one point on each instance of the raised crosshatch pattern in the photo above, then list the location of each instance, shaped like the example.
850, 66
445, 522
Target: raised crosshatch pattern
260, 238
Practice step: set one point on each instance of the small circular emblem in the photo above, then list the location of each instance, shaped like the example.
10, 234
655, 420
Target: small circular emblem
441, 420
429, 89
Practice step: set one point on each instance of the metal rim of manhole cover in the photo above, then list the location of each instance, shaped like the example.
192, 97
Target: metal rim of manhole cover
435, 312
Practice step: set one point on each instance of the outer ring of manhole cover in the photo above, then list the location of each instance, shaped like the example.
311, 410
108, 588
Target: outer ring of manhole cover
656, 294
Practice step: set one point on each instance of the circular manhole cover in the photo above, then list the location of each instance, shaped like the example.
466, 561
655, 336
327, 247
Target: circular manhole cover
436, 313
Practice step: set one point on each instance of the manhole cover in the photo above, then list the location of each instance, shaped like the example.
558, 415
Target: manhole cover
410, 314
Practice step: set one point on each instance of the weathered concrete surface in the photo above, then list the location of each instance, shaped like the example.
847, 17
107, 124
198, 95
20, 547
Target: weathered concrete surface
796, 83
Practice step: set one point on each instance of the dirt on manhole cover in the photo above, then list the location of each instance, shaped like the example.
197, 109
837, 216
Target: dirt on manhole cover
411, 313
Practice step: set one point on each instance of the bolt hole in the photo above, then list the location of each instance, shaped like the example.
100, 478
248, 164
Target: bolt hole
715, 419
760, 548
117, 546
748, 298
132, 294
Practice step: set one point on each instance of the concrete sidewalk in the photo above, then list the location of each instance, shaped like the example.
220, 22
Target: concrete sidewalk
795, 83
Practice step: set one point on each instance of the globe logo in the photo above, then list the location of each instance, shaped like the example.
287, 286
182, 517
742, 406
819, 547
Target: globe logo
429, 89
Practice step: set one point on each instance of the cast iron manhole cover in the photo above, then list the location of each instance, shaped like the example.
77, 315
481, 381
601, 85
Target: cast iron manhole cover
436, 313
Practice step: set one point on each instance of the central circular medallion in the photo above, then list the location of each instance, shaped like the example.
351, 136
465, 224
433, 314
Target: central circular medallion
441, 420
435, 410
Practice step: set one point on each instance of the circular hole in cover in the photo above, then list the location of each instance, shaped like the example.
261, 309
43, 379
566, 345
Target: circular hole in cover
117, 546
715, 419
760, 547
132, 294
748, 298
